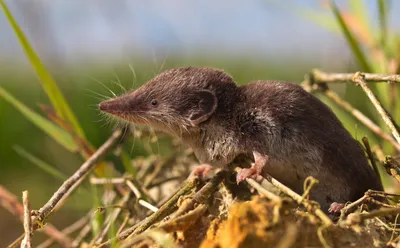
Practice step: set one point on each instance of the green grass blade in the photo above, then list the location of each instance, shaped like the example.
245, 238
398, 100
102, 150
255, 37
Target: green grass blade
318, 18
383, 11
56, 97
56, 132
40, 164
353, 43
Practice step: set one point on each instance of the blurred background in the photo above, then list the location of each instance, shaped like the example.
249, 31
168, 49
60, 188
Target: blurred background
89, 46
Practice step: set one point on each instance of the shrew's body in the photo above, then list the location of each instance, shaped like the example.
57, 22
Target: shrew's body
290, 133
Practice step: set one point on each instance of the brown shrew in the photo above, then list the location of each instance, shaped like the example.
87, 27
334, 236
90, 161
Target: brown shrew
289, 133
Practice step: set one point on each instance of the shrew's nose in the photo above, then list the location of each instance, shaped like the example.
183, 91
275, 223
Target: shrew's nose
111, 106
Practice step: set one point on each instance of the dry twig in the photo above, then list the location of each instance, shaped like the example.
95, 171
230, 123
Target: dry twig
111, 219
359, 78
184, 221
367, 197
188, 213
202, 195
75, 179
357, 218
141, 197
320, 76
320, 85
27, 242
133, 185
161, 213
276, 199
352, 205
10, 203
118, 180
299, 199
82, 172
263, 190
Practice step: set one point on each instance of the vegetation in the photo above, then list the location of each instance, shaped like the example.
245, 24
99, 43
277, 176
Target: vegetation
127, 186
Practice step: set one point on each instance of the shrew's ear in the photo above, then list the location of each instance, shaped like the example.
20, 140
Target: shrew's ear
204, 107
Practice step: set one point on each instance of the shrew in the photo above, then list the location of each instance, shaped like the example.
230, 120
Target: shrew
289, 133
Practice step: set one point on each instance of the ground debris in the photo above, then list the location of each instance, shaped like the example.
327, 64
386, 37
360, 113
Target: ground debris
250, 224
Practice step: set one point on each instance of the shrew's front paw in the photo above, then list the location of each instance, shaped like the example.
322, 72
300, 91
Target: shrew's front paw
202, 170
245, 173
256, 168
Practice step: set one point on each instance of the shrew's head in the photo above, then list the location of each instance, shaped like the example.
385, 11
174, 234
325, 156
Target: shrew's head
173, 101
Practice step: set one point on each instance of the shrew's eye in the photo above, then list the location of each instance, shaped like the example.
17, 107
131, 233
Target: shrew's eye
154, 102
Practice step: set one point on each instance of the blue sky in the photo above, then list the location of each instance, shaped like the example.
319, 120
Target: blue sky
81, 28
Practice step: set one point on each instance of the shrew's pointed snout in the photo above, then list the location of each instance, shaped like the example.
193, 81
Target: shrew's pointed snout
106, 105
124, 107
113, 106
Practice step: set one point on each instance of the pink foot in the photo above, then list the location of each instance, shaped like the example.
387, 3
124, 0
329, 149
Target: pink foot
255, 170
335, 207
246, 173
202, 170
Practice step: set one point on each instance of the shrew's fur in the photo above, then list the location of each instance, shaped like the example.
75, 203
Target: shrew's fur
300, 135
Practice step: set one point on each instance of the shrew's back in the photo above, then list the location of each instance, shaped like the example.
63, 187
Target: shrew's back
303, 137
